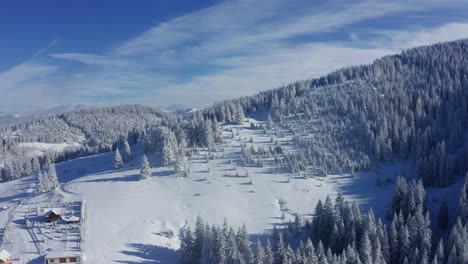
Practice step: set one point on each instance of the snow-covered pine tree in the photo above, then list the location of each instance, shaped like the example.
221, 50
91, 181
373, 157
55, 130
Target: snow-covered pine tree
167, 153
145, 171
52, 177
259, 254
440, 252
35, 164
366, 249
118, 162
186, 246
127, 154
269, 123
462, 210
42, 184
180, 165
240, 116
269, 255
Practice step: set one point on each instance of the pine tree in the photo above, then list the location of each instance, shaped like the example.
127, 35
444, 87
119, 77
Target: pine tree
289, 255
269, 255
240, 116
269, 123
180, 165
208, 134
35, 164
199, 239
366, 249
168, 153
399, 201
145, 171
127, 155
42, 184
52, 177
440, 255
453, 258
207, 253
186, 246
243, 244
259, 255
310, 252
405, 244
462, 210
118, 162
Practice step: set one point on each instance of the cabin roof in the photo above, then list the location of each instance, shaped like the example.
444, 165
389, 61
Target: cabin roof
57, 211
70, 218
62, 254
4, 255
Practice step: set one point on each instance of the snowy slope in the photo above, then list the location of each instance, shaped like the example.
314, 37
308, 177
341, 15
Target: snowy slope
129, 219
137, 221
39, 148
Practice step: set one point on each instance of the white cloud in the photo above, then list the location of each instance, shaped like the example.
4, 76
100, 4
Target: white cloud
402, 39
26, 86
253, 74
91, 59
230, 49
24, 73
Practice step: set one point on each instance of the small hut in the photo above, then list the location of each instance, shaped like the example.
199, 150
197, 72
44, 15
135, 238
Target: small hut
5, 256
71, 219
53, 215
62, 257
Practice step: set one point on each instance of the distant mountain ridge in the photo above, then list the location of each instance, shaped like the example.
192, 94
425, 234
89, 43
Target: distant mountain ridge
14, 118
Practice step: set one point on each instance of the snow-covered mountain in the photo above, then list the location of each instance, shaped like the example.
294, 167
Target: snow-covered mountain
7, 119
12, 118
179, 109
304, 162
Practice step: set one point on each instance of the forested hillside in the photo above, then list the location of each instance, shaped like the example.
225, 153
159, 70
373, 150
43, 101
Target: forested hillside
408, 106
413, 105
340, 233
96, 130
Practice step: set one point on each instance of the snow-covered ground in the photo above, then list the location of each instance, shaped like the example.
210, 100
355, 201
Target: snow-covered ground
39, 148
137, 221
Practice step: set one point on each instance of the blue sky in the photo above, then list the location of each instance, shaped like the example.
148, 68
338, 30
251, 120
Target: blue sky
196, 52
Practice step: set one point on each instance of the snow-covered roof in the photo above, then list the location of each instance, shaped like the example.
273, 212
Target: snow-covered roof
56, 211
70, 218
62, 254
4, 255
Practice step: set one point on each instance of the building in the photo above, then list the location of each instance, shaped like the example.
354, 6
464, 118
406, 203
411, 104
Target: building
53, 215
5, 256
55, 257
71, 219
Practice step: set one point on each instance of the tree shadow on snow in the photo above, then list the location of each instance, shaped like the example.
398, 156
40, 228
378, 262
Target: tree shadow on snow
164, 173
9, 198
130, 178
149, 254
38, 260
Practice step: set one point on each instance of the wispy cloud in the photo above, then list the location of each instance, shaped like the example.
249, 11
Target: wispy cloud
401, 39
91, 59
234, 48
24, 73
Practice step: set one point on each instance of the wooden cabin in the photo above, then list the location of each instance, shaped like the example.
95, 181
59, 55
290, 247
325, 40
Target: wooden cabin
71, 219
5, 256
53, 215
55, 257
